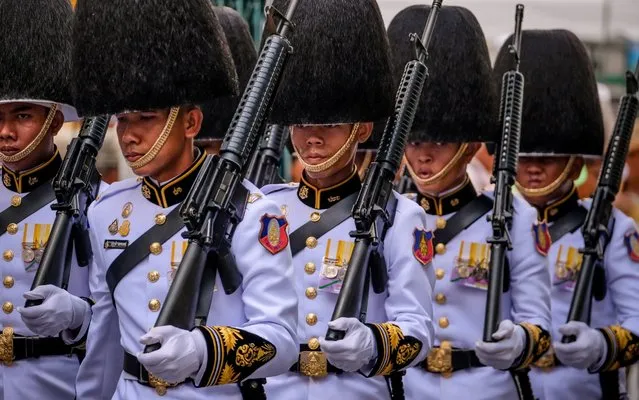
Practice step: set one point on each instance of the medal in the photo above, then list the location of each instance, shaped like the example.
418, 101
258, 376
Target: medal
125, 228
28, 255
113, 227
127, 209
330, 271
463, 271
561, 272
38, 255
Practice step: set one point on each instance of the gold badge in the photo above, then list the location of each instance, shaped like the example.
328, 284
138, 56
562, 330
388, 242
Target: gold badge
333, 199
253, 197
125, 228
425, 204
274, 232
454, 202
113, 227
177, 190
146, 192
16, 201
6, 180
33, 180
303, 192
127, 210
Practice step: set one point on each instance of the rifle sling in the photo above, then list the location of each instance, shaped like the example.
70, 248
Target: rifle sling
567, 223
31, 203
139, 249
330, 218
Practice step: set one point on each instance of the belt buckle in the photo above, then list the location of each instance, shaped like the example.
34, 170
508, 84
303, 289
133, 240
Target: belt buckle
160, 385
6, 347
313, 364
547, 361
440, 360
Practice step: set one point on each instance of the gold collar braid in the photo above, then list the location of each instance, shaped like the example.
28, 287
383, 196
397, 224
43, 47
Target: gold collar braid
159, 143
554, 185
35, 142
441, 174
321, 167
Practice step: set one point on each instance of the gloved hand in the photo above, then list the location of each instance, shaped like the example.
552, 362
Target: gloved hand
511, 340
180, 357
59, 311
353, 352
586, 351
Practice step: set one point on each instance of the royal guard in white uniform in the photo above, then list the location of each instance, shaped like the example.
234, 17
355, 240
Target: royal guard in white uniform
174, 56
562, 125
336, 84
457, 112
35, 100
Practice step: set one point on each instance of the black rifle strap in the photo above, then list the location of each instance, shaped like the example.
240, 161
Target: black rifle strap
207, 286
570, 222
139, 249
609, 382
31, 203
522, 383
464, 218
329, 219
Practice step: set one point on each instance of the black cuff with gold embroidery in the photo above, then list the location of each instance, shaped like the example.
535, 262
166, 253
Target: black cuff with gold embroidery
537, 343
394, 350
233, 354
622, 348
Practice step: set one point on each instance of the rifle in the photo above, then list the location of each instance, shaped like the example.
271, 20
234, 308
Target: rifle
264, 168
371, 209
504, 174
75, 186
214, 205
404, 184
596, 230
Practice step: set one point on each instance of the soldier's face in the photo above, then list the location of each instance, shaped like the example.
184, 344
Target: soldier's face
540, 172
20, 123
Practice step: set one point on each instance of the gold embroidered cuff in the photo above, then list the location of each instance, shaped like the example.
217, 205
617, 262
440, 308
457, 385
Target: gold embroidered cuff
622, 348
537, 343
394, 350
233, 354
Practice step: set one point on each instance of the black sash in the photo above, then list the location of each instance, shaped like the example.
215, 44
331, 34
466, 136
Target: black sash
570, 222
139, 249
464, 218
31, 203
332, 217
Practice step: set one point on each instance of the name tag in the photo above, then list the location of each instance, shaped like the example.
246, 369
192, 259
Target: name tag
116, 244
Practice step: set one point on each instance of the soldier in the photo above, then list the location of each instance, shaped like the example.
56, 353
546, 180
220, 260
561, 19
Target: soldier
174, 56
330, 105
457, 111
35, 100
562, 125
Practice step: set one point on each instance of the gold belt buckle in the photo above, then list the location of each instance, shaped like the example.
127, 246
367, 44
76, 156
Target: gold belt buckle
160, 385
440, 360
6, 346
547, 361
313, 364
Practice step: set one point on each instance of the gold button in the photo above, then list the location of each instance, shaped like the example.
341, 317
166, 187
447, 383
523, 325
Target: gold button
155, 248
313, 344
311, 319
440, 248
440, 223
160, 219
8, 281
311, 242
309, 268
443, 322
16, 201
311, 293
7, 307
12, 229
440, 298
439, 273
154, 305
315, 216
7, 255
153, 276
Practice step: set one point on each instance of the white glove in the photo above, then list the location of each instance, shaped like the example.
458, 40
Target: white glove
353, 352
586, 351
59, 311
180, 357
511, 340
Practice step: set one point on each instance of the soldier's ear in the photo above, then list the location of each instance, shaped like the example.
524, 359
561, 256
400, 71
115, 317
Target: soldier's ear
192, 121
471, 150
56, 124
576, 168
365, 131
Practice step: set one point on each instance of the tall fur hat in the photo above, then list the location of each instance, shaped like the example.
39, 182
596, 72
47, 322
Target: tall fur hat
340, 71
561, 112
147, 54
219, 112
35, 53
459, 100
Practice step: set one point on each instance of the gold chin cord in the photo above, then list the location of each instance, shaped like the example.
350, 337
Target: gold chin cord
321, 167
441, 174
35, 142
159, 143
544, 191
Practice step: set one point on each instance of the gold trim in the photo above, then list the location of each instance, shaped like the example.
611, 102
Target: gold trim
558, 203
313, 364
439, 201
181, 177
550, 187
334, 159
6, 346
159, 142
318, 192
441, 174
440, 360
17, 178
22, 154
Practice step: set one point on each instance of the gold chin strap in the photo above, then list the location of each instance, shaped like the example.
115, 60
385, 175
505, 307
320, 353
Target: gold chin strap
321, 167
544, 191
438, 176
159, 143
35, 142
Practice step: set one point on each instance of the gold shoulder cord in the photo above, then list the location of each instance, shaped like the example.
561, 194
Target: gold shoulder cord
334, 159
441, 174
551, 187
159, 143
35, 142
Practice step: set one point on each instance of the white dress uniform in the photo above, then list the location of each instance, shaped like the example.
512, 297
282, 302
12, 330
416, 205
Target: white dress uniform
460, 300
619, 307
22, 246
405, 303
261, 313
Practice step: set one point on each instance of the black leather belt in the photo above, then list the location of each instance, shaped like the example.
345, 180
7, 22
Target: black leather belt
34, 347
442, 360
133, 367
313, 363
